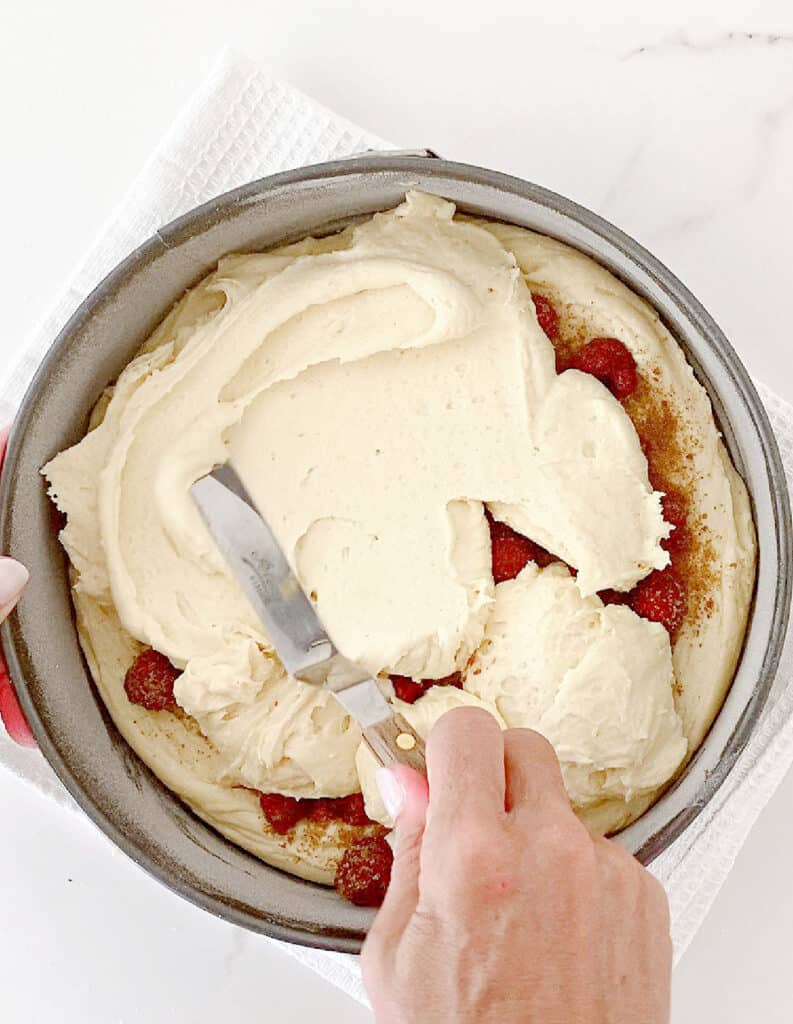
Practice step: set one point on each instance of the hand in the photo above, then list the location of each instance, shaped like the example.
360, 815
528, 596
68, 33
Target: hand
13, 578
502, 907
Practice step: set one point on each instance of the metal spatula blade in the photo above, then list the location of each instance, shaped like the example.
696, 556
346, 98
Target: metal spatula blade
290, 621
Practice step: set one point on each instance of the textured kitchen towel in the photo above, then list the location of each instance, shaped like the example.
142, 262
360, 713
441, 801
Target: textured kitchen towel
240, 126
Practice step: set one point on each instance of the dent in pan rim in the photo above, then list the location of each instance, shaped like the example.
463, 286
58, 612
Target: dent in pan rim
203, 217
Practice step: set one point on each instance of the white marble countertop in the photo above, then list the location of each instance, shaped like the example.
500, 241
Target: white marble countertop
675, 123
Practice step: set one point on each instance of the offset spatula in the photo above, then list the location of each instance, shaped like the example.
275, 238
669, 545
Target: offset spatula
307, 652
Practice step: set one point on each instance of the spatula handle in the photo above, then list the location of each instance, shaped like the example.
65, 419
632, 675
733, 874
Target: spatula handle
395, 741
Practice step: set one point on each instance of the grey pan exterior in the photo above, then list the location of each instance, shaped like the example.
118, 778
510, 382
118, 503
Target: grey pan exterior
104, 776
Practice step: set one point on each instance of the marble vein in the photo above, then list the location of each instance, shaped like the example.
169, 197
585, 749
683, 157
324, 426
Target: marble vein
682, 42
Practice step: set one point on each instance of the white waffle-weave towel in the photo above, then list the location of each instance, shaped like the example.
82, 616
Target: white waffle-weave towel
242, 125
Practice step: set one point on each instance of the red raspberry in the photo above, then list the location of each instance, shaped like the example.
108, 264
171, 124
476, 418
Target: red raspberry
409, 690
610, 596
348, 809
283, 812
660, 597
511, 551
149, 681
547, 317
675, 512
322, 809
675, 508
57, 518
610, 361
351, 810
455, 679
364, 871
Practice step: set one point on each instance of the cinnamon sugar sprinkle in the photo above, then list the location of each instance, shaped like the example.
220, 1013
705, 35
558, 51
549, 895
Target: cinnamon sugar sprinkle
326, 838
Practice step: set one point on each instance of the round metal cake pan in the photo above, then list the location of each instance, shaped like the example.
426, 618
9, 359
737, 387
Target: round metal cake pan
76, 735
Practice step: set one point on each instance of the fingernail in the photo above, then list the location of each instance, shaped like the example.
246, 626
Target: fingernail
391, 790
13, 577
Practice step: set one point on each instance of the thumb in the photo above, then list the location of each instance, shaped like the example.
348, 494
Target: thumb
406, 796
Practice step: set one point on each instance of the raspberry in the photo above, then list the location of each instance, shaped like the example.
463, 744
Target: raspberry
364, 871
322, 809
351, 810
57, 519
547, 317
610, 596
348, 809
149, 681
610, 361
409, 690
283, 812
455, 679
660, 597
674, 506
511, 551
675, 512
